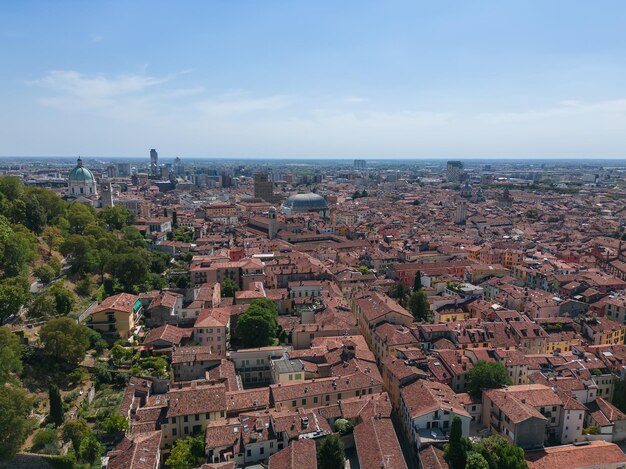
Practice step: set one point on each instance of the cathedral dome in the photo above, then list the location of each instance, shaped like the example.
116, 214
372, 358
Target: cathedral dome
306, 202
80, 173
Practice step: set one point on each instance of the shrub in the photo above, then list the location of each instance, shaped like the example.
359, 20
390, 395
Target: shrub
45, 441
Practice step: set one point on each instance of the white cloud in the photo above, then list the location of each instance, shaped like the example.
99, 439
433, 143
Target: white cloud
354, 100
124, 114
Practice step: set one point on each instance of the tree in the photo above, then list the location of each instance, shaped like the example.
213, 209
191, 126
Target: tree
330, 453
84, 286
130, 269
14, 292
53, 238
45, 273
44, 305
619, 395
45, 441
419, 306
63, 297
343, 426
186, 453
229, 287
80, 215
116, 217
10, 355
90, 449
11, 187
65, 340
75, 431
114, 424
499, 453
14, 423
56, 405
417, 282
486, 375
258, 325
476, 461
35, 215
17, 251
399, 291
454, 450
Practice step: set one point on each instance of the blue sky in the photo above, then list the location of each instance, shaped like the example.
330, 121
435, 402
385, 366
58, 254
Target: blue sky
313, 79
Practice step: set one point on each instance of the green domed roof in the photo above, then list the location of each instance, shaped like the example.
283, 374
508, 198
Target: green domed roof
80, 173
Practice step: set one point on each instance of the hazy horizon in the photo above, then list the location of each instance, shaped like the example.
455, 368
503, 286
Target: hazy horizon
357, 79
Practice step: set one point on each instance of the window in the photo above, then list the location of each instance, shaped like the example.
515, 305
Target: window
197, 417
271, 444
315, 400
173, 419
303, 401
208, 416
185, 419
339, 396
174, 431
248, 452
293, 403
327, 398
261, 450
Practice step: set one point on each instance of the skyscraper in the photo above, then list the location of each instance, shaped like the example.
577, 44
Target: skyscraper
360, 164
263, 187
454, 170
154, 162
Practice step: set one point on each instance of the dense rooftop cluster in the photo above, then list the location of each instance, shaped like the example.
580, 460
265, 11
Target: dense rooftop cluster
385, 303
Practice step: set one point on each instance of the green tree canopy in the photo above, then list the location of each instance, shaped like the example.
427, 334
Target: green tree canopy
486, 375
417, 282
330, 453
229, 287
116, 217
14, 292
419, 306
75, 431
500, 453
343, 426
399, 291
476, 461
90, 449
130, 269
114, 423
187, 453
258, 325
454, 452
80, 215
56, 405
10, 355
64, 340
45, 273
14, 423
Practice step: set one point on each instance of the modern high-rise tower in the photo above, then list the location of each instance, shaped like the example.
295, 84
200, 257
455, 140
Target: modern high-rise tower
154, 162
454, 170
263, 187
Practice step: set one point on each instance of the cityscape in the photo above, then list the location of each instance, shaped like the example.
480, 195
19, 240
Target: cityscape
227, 314
312, 235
